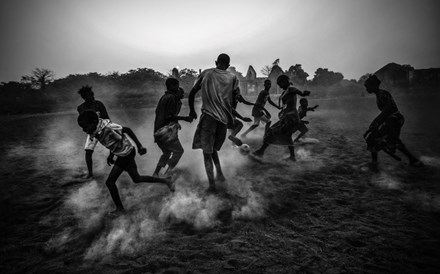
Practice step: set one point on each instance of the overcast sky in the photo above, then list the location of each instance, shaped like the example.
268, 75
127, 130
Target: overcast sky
347, 36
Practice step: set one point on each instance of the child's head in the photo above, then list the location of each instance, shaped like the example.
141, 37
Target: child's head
267, 83
88, 121
303, 102
172, 84
86, 93
283, 81
372, 83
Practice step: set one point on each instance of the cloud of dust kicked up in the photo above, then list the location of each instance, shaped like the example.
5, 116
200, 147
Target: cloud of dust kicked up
150, 207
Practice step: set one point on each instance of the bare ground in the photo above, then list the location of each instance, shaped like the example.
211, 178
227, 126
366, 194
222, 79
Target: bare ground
326, 213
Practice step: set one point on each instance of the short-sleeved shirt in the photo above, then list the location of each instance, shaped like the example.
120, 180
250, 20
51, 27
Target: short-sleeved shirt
217, 93
169, 105
110, 135
96, 106
257, 110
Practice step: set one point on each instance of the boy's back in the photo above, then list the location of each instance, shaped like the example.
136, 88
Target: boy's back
217, 93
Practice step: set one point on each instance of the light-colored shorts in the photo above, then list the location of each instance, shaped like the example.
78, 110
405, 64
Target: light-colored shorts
90, 143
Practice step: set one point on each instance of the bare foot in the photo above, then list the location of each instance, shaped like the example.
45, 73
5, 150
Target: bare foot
116, 213
171, 184
211, 190
290, 159
87, 176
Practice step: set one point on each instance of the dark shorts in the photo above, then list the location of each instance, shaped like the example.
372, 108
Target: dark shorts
257, 112
171, 153
210, 134
127, 162
174, 146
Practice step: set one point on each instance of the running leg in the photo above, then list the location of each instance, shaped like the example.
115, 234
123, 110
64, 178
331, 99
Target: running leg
207, 157
220, 177
111, 185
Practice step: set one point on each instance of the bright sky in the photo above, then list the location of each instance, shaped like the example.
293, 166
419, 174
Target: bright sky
347, 36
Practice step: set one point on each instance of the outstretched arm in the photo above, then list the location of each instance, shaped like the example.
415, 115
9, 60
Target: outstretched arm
313, 108
303, 93
242, 100
191, 96
272, 103
89, 162
142, 150
197, 86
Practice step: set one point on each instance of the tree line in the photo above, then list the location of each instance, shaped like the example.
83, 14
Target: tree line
40, 92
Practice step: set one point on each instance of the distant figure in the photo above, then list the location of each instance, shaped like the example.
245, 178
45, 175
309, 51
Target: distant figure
114, 137
166, 126
258, 111
302, 112
238, 125
217, 85
384, 131
281, 132
97, 106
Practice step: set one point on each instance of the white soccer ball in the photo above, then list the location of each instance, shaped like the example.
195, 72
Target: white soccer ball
244, 149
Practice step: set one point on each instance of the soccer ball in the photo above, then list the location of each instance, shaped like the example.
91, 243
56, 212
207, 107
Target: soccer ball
244, 149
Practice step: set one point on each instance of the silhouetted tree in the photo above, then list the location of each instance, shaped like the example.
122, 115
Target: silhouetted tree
187, 78
297, 74
266, 70
39, 78
324, 77
186, 72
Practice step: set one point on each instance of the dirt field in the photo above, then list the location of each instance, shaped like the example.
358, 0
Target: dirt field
326, 213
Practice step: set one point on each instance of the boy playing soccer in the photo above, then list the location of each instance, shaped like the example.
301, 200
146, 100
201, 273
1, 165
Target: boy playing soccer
258, 111
384, 131
167, 118
302, 112
114, 137
238, 125
281, 132
217, 86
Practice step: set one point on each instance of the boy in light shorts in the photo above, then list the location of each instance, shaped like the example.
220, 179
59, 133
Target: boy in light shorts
114, 137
